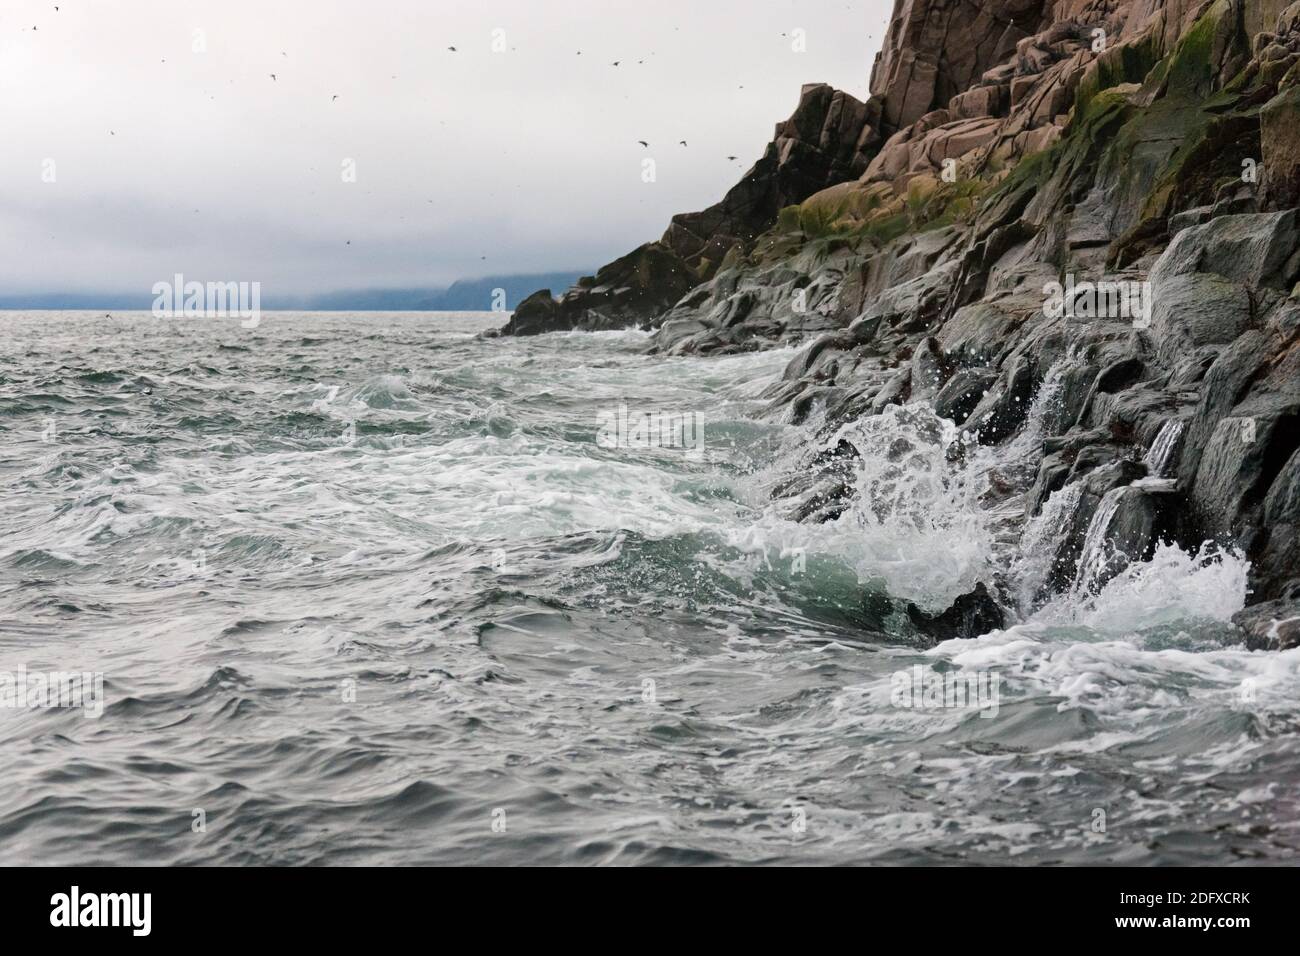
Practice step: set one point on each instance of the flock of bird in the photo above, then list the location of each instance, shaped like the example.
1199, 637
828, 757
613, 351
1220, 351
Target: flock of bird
334, 97
451, 49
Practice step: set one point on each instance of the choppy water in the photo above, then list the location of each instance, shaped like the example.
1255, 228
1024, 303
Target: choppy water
366, 589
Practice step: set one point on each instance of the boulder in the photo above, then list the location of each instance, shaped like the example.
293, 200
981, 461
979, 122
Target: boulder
1270, 625
1196, 309
1250, 249
1245, 454
972, 615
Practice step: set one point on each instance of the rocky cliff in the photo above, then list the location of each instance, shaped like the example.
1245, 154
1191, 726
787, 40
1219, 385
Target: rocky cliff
1087, 201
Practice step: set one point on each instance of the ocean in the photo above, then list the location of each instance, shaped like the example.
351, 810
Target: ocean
369, 589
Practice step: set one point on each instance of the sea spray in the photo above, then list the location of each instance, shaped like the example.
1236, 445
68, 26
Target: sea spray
1174, 585
1097, 560
1040, 544
914, 521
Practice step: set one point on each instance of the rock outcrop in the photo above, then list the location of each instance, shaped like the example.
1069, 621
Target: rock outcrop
1083, 208
824, 142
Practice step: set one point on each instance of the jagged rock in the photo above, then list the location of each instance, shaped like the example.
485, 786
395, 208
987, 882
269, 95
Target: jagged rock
963, 393
1244, 456
930, 370
823, 490
1271, 626
1003, 408
978, 102
645, 282
1252, 250
1223, 387
1281, 149
1191, 311
1279, 557
1115, 377
977, 334
1139, 520
895, 391
678, 330
1098, 483
936, 50
974, 614
821, 144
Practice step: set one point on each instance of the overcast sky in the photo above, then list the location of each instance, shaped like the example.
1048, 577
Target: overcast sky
171, 148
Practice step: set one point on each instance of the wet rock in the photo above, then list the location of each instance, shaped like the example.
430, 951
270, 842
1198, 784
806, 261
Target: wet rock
1244, 489
977, 334
1252, 250
1003, 408
1271, 625
930, 370
895, 391
624, 293
822, 491
1125, 529
963, 393
534, 315
675, 331
1225, 384
1099, 482
1113, 378
971, 615
1192, 311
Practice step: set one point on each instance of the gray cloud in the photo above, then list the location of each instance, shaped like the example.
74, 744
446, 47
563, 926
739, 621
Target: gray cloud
168, 159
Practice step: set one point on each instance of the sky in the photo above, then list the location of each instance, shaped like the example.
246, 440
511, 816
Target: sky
145, 138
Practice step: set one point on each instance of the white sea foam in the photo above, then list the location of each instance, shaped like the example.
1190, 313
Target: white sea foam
1173, 586
915, 521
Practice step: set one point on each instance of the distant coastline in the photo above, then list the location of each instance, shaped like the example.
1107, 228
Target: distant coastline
465, 295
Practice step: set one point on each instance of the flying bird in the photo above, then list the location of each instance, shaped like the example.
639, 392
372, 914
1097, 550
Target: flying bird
644, 143
616, 62
683, 142
731, 158
452, 49
272, 76
336, 96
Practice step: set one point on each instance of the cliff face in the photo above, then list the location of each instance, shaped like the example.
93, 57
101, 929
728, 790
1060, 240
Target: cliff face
1014, 153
